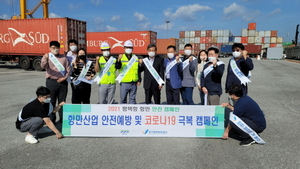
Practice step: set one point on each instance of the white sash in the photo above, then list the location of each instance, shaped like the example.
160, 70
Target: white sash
126, 69
50, 110
210, 68
205, 99
81, 77
243, 126
186, 62
238, 73
153, 72
170, 66
105, 69
57, 64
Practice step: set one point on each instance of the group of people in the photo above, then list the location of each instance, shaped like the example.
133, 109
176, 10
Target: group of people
178, 74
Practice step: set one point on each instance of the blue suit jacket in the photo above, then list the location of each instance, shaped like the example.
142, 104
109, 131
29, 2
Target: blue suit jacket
175, 73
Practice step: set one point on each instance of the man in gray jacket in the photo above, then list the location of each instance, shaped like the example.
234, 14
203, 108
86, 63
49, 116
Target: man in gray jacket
189, 66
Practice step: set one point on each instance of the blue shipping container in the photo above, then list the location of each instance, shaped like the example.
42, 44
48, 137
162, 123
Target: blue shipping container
231, 38
226, 48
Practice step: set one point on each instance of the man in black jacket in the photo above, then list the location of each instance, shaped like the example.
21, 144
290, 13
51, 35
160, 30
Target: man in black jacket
153, 67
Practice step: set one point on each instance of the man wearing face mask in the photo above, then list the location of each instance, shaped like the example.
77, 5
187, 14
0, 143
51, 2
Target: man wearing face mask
189, 66
106, 67
173, 74
129, 77
35, 114
239, 67
153, 67
57, 71
71, 56
211, 77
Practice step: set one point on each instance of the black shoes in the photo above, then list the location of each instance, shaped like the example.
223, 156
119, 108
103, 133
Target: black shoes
247, 142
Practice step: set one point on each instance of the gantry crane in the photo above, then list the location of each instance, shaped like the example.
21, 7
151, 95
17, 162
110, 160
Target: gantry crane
24, 12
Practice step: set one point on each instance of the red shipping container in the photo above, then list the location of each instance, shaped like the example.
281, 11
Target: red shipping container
253, 49
202, 40
208, 39
263, 40
162, 45
208, 33
140, 40
31, 37
181, 34
197, 46
252, 26
273, 45
244, 40
273, 33
181, 52
197, 33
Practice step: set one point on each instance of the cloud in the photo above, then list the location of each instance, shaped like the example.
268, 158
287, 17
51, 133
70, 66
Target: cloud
74, 7
96, 2
53, 15
163, 26
140, 17
4, 16
276, 11
98, 20
110, 28
144, 25
187, 12
235, 11
128, 29
115, 18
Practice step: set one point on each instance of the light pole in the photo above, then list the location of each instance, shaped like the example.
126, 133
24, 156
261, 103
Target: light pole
167, 21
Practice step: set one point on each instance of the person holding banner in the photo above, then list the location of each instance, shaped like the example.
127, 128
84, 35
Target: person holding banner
106, 67
202, 60
239, 67
153, 67
173, 73
189, 66
57, 72
129, 76
83, 72
247, 118
211, 77
35, 114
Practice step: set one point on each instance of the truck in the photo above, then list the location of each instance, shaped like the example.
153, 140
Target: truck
252, 50
140, 40
23, 42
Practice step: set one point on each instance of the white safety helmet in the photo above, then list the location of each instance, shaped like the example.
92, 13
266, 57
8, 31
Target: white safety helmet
128, 43
104, 45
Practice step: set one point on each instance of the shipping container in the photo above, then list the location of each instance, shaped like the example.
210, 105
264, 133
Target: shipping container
231, 39
208, 33
266, 45
197, 39
181, 40
279, 40
202, 46
258, 40
267, 33
203, 33
219, 39
220, 33
140, 40
226, 49
278, 45
227, 33
186, 40
203, 40
208, 39
197, 33
192, 34
214, 39
267, 40
252, 26
197, 46
251, 39
252, 33
273, 45
181, 34
225, 39
244, 40
186, 34
192, 40
214, 33
162, 45
244, 32
273, 33
253, 49
237, 39
261, 33
273, 40
181, 47
27, 40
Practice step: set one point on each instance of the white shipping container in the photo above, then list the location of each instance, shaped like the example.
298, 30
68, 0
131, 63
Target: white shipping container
251, 33
192, 40
273, 40
186, 40
181, 40
261, 33
192, 34
220, 40
214, 33
244, 32
278, 45
267, 40
267, 33
256, 33
197, 40
226, 33
220, 33
203, 33
279, 40
187, 34
237, 39
266, 45
251, 39
202, 46
225, 39
258, 39
181, 46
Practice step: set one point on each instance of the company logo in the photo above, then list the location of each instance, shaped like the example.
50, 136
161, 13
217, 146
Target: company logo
154, 132
124, 132
119, 43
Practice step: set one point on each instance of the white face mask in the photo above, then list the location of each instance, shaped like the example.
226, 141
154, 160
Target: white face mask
55, 51
106, 53
170, 55
188, 52
73, 48
128, 51
151, 54
236, 54
47, 100
211, 59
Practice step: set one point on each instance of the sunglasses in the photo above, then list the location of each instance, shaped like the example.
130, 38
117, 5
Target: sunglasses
236, 50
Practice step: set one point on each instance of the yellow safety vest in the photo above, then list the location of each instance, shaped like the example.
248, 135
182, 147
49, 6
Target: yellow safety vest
110, 76
132, 74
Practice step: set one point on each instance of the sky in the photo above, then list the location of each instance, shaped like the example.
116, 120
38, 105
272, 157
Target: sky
139, 15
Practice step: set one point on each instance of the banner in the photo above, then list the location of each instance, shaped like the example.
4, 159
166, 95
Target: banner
102, 120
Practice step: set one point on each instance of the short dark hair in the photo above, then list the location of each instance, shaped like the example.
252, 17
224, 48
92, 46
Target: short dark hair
238, 45
237, 90
151, 45
54, 43
42, 91
171, 46
72, 41
214, 49
199, 60
188, 45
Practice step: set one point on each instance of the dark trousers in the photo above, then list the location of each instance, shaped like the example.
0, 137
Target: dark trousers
187, 95
73, 91
173, 95
250, 123
32, 125
152, 92
58, 93
201, 93
82, 93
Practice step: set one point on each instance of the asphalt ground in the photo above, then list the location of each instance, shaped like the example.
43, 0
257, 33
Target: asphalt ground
275, 86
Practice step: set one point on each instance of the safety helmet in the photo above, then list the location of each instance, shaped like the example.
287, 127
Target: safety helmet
104, 45
128, 43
